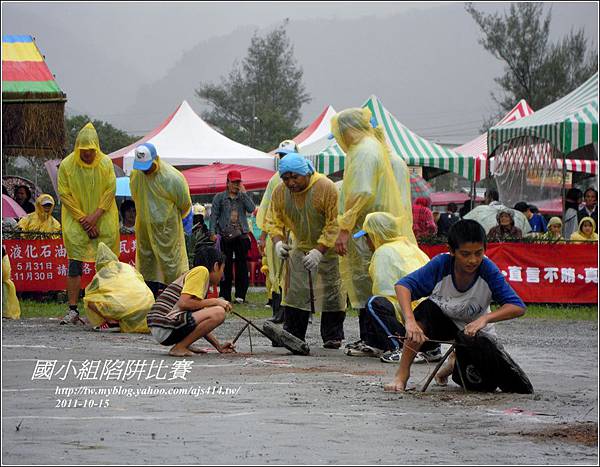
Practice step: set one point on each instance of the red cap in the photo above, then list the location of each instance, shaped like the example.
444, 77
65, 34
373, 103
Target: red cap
234, 176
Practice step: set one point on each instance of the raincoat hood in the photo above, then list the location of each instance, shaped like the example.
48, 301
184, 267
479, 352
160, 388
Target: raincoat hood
506, 211
104, 256
39, 210
382, 228
350, 126
87, 138
588, 219
555, 221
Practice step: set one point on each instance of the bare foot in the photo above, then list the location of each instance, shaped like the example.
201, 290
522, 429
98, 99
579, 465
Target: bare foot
394, 387
441, 380
178, 352
195, 349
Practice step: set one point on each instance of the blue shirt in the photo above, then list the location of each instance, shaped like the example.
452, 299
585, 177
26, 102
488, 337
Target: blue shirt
538, 223
436, 281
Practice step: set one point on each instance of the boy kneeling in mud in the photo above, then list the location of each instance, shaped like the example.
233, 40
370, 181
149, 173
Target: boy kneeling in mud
181, 314
460, 285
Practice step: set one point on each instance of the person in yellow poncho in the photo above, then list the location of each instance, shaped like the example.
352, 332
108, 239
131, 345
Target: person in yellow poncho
108, 304
394, 257
41, 219
306, 204
554, 233
162, 199
271, 265
586, 233
374, 180
86, 186
10, 303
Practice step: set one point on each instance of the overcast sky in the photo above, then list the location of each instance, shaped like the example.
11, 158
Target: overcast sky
121, 62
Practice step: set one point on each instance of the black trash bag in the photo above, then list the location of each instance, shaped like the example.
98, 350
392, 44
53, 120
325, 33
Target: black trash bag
486, 366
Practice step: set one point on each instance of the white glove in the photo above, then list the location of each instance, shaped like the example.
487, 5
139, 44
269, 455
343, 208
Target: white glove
312, 259
282, 249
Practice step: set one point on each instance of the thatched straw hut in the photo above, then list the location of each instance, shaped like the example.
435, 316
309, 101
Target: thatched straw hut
33, 105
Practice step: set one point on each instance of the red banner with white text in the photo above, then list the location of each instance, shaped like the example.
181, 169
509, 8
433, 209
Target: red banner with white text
42, 265
544, 273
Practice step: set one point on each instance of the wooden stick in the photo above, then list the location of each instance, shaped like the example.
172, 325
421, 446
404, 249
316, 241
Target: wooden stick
240, 333
464, 386
437, 368
251, 324
312, 294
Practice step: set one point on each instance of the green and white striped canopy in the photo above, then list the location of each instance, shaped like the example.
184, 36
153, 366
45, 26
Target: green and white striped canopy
569, 123
415, 151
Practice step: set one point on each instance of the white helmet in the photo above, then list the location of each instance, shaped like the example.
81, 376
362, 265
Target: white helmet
287, 146
198, 209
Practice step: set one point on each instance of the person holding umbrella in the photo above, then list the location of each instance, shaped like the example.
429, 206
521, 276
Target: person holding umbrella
306, 204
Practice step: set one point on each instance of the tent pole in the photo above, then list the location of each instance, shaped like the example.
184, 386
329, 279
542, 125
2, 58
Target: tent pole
473, 191
564, 176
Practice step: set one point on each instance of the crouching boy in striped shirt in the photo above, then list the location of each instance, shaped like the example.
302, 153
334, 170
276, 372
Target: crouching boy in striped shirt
182, 314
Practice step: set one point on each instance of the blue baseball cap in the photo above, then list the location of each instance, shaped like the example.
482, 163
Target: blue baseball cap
145, 154
360, 233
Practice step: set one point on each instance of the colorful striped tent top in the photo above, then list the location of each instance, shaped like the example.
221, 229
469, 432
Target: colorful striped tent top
24, 69
415, 150
568, 124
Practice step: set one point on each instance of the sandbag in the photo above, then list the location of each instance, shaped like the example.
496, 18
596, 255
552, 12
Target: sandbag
280, 336
486, 366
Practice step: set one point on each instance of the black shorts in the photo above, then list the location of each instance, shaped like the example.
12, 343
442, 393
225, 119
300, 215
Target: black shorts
75, 268
183, 331
435, 324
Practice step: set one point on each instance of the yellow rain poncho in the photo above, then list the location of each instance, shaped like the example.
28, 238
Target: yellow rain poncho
271, 264
579, 236
83, 188
40, 220
374, 180
311, 216
395, 256
10, 303
162, 200
118, 293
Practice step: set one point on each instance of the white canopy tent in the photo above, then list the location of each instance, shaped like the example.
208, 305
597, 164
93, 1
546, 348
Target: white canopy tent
184, 139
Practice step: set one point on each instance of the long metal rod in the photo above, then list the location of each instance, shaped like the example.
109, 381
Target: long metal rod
251, 324
312, 294
437, 368
464, 386
240, 333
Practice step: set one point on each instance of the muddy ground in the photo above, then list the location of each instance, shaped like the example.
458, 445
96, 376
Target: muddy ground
276, 408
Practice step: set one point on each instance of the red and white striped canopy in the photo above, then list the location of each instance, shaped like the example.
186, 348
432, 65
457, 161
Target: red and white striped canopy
478, 149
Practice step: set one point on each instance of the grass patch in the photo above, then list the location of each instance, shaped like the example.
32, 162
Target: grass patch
577, 312
42, 309
254, 308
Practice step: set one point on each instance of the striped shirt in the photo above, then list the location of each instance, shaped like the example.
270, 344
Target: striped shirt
165, 313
